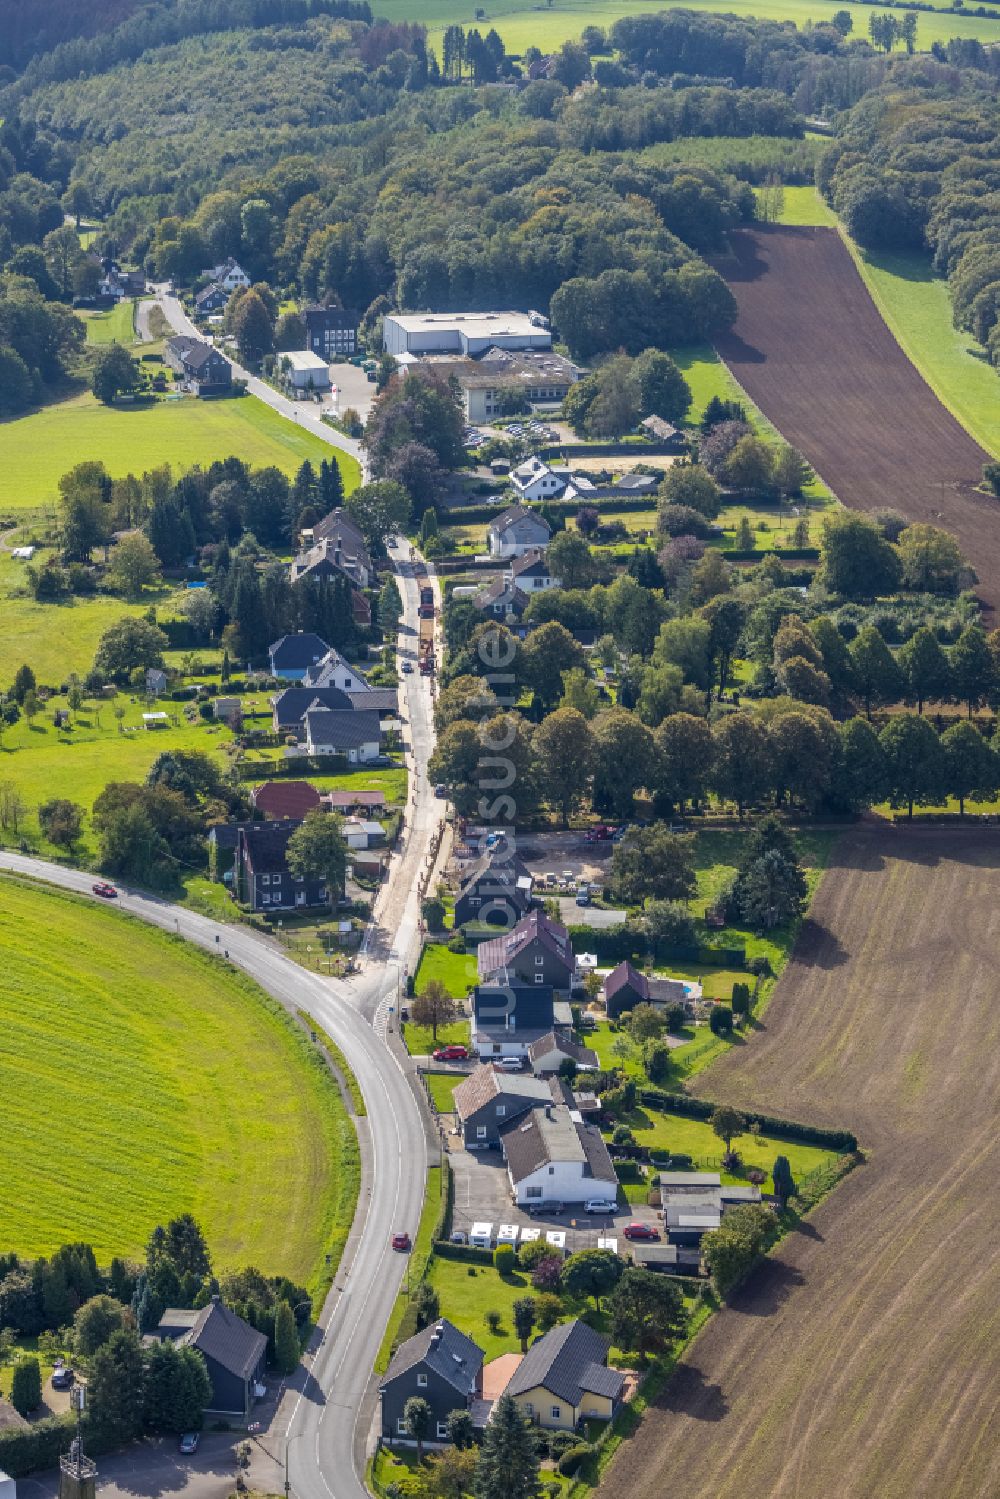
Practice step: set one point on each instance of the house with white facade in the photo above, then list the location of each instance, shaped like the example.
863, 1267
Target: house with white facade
517, 531
535, 480
332, 670
530, 573
229, 275
355, 736
552, 1156
304, 371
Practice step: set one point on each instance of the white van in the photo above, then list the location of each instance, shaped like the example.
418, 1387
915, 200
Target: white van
481, 1236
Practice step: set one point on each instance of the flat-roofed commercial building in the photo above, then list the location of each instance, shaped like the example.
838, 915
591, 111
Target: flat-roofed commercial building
468, 333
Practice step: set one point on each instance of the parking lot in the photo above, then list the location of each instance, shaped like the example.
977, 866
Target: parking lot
482, 1195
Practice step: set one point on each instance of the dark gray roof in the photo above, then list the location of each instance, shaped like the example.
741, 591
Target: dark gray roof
266, 844
518, 513
221, 1335
566, 1362
378, 699
293, 704
503, 873
200, 355
569, 1048
342, 729
552, 1135
441, 1347
297, 650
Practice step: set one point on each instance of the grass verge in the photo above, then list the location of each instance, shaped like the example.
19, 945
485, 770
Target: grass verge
339, 1061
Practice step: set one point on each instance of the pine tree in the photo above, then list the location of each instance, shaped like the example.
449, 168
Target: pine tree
508, 1464
286, 1341
331, 485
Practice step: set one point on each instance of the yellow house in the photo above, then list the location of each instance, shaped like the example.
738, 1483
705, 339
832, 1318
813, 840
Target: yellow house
564, 1379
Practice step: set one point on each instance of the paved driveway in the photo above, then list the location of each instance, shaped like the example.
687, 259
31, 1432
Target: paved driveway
152, 1469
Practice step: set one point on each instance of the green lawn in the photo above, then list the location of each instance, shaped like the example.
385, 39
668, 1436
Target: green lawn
457, 971
116, 326
127, 1099
77, 763
441, 1086
53, 638
420, 1041
916, 305
805, 206
695, 1137
526, 24
182, 432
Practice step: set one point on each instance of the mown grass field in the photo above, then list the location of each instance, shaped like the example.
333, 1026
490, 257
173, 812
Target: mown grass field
804, 205
38, 449
116, 326
142, 1078
456, 970
525, 24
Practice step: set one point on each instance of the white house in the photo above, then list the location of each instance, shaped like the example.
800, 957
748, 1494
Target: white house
332, 670
305, 371
552, 1156
334, 731
530, 573
535, 480
229, 275
468, 333
517, 531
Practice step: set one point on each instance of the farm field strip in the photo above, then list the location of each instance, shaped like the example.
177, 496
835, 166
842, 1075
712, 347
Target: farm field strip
127, 1098
882, 1309
813, 351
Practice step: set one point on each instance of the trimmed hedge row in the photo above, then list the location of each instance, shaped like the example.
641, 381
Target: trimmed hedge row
613, 943
783, 1129
26, 1450
469, 1254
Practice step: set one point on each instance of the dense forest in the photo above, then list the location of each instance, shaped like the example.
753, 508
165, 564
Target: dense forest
342, 159
911, 168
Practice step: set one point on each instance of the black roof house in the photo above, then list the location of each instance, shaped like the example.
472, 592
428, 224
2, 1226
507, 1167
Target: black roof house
261, 877
234, 1352
290, 707
442, 1366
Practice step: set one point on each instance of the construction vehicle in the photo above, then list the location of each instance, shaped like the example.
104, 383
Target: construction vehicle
426, 610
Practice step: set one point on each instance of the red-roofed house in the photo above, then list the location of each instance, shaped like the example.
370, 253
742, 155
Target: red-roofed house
281, 799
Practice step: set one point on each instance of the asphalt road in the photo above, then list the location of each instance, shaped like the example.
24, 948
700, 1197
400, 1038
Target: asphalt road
302, 413
325, 1441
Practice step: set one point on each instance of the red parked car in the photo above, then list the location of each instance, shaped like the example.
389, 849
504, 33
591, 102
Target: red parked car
640, 1231
104, 890
400, 1241
451, 1054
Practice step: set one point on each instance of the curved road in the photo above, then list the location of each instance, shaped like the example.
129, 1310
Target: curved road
301, 413
325, 1442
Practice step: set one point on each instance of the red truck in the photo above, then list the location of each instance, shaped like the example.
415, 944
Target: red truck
426, 610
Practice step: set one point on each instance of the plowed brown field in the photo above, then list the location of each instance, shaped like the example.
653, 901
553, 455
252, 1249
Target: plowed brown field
811, 348
862, 1360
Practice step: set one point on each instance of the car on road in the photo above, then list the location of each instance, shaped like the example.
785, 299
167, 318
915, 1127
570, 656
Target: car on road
62, 1377
440, 789
406, 668
640, 1231
451, 1054
401, 1241
189, 1442
104, 890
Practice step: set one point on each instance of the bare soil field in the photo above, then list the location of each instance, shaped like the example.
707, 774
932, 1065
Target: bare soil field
861, 1360
812, 350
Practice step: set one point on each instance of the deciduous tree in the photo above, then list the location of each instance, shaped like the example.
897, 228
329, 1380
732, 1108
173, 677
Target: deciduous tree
646, 1311
318, 851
